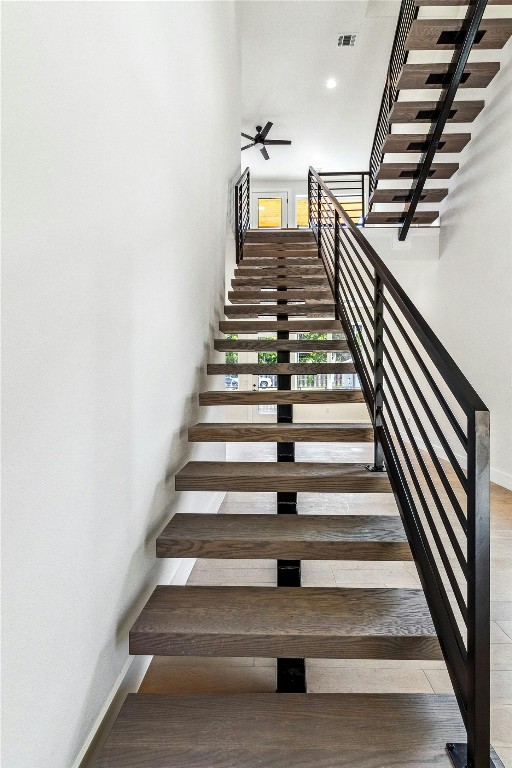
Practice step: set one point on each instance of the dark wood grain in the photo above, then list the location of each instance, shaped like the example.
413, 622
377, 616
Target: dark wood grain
315, 477
409, 111
394, 219
255, 326
280, 433
408, 142
308, 309
296, 730
291, 270
242, 295
239, 397
274, 369
288, 537
399, 195
284, 345
424, 34
277, 261
281, 237
313, 622
269, 281
398, 170
476, 75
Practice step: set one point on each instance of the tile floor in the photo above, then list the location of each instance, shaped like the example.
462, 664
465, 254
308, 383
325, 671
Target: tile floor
192, 675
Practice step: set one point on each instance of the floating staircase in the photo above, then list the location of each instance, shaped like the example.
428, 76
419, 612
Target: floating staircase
420, 35
290, 728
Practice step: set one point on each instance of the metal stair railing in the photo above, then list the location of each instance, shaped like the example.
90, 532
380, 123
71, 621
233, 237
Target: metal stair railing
242, 212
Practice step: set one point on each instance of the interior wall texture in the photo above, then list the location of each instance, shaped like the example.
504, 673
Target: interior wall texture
121, 135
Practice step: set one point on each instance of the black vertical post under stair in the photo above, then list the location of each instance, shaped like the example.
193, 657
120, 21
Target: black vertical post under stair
291, 673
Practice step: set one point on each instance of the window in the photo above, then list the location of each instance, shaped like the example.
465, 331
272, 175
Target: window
270, 212
301, 208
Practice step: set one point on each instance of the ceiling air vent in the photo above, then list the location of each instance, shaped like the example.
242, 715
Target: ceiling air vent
346, 40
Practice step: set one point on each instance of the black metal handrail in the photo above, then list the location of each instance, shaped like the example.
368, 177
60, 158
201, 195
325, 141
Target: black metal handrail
408, 12
422, 407
242, 212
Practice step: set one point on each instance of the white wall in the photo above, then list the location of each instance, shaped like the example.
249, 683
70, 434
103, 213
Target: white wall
466, 295
121, 130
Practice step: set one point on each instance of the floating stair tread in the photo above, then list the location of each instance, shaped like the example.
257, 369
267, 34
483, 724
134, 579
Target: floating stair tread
297, 261
239, 397
315, 477
296, 730
296, 326
280, 237
311, 622
288, 537
476, 75
412, 170
427, 111
427, 34
318, 294
311, 309
404, 195
388, 217
276, 369
281, 433
270, 281
417, 142
264, 249
283, 345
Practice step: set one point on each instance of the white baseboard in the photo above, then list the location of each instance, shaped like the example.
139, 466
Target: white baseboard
132, 672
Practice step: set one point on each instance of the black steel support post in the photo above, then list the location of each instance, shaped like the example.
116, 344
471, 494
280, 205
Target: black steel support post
291, 673
319, 220
378, 375
238, 223
336, 265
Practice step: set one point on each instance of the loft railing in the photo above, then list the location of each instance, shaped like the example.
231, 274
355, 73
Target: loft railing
432, 436
242, 212
350, 188
408, 12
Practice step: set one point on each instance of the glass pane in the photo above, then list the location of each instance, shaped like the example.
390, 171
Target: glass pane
269, 212
302, 212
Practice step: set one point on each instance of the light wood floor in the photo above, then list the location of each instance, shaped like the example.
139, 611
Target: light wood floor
245, 675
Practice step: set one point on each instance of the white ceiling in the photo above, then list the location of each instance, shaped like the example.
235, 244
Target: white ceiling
289, 50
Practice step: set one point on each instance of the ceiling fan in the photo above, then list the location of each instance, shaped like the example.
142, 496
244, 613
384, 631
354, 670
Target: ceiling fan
261, 138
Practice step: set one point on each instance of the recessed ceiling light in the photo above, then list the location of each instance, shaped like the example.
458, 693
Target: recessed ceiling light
331, 83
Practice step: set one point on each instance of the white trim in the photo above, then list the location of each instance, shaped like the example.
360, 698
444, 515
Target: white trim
133, 671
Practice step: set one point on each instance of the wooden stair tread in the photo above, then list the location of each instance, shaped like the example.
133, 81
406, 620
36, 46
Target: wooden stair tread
412, 170
476, 75
281, 237
294, 730
272, 281
239, 397
264, 249
312, 622
241, 295
297, 261
427, 111
296, 326
287, 270
286, 476
311, 309
417, 142
280, 433
391, 218
276, 369
426, 34
404, 195
283, 345
289, 537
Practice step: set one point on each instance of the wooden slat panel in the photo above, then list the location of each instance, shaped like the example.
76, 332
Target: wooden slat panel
257, 326
288, 537
310, 309
265, 397
288, 476
476, 75
417, 142
288, 622
412, 170
275, 369
426, 34
296, 730
421, 111
405, 195
283, 345
241, 296
390, 218
280, 433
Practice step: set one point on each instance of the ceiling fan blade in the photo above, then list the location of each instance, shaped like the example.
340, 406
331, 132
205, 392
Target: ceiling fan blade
276, 141
247, 146
266, 129
246, 136
265, 153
